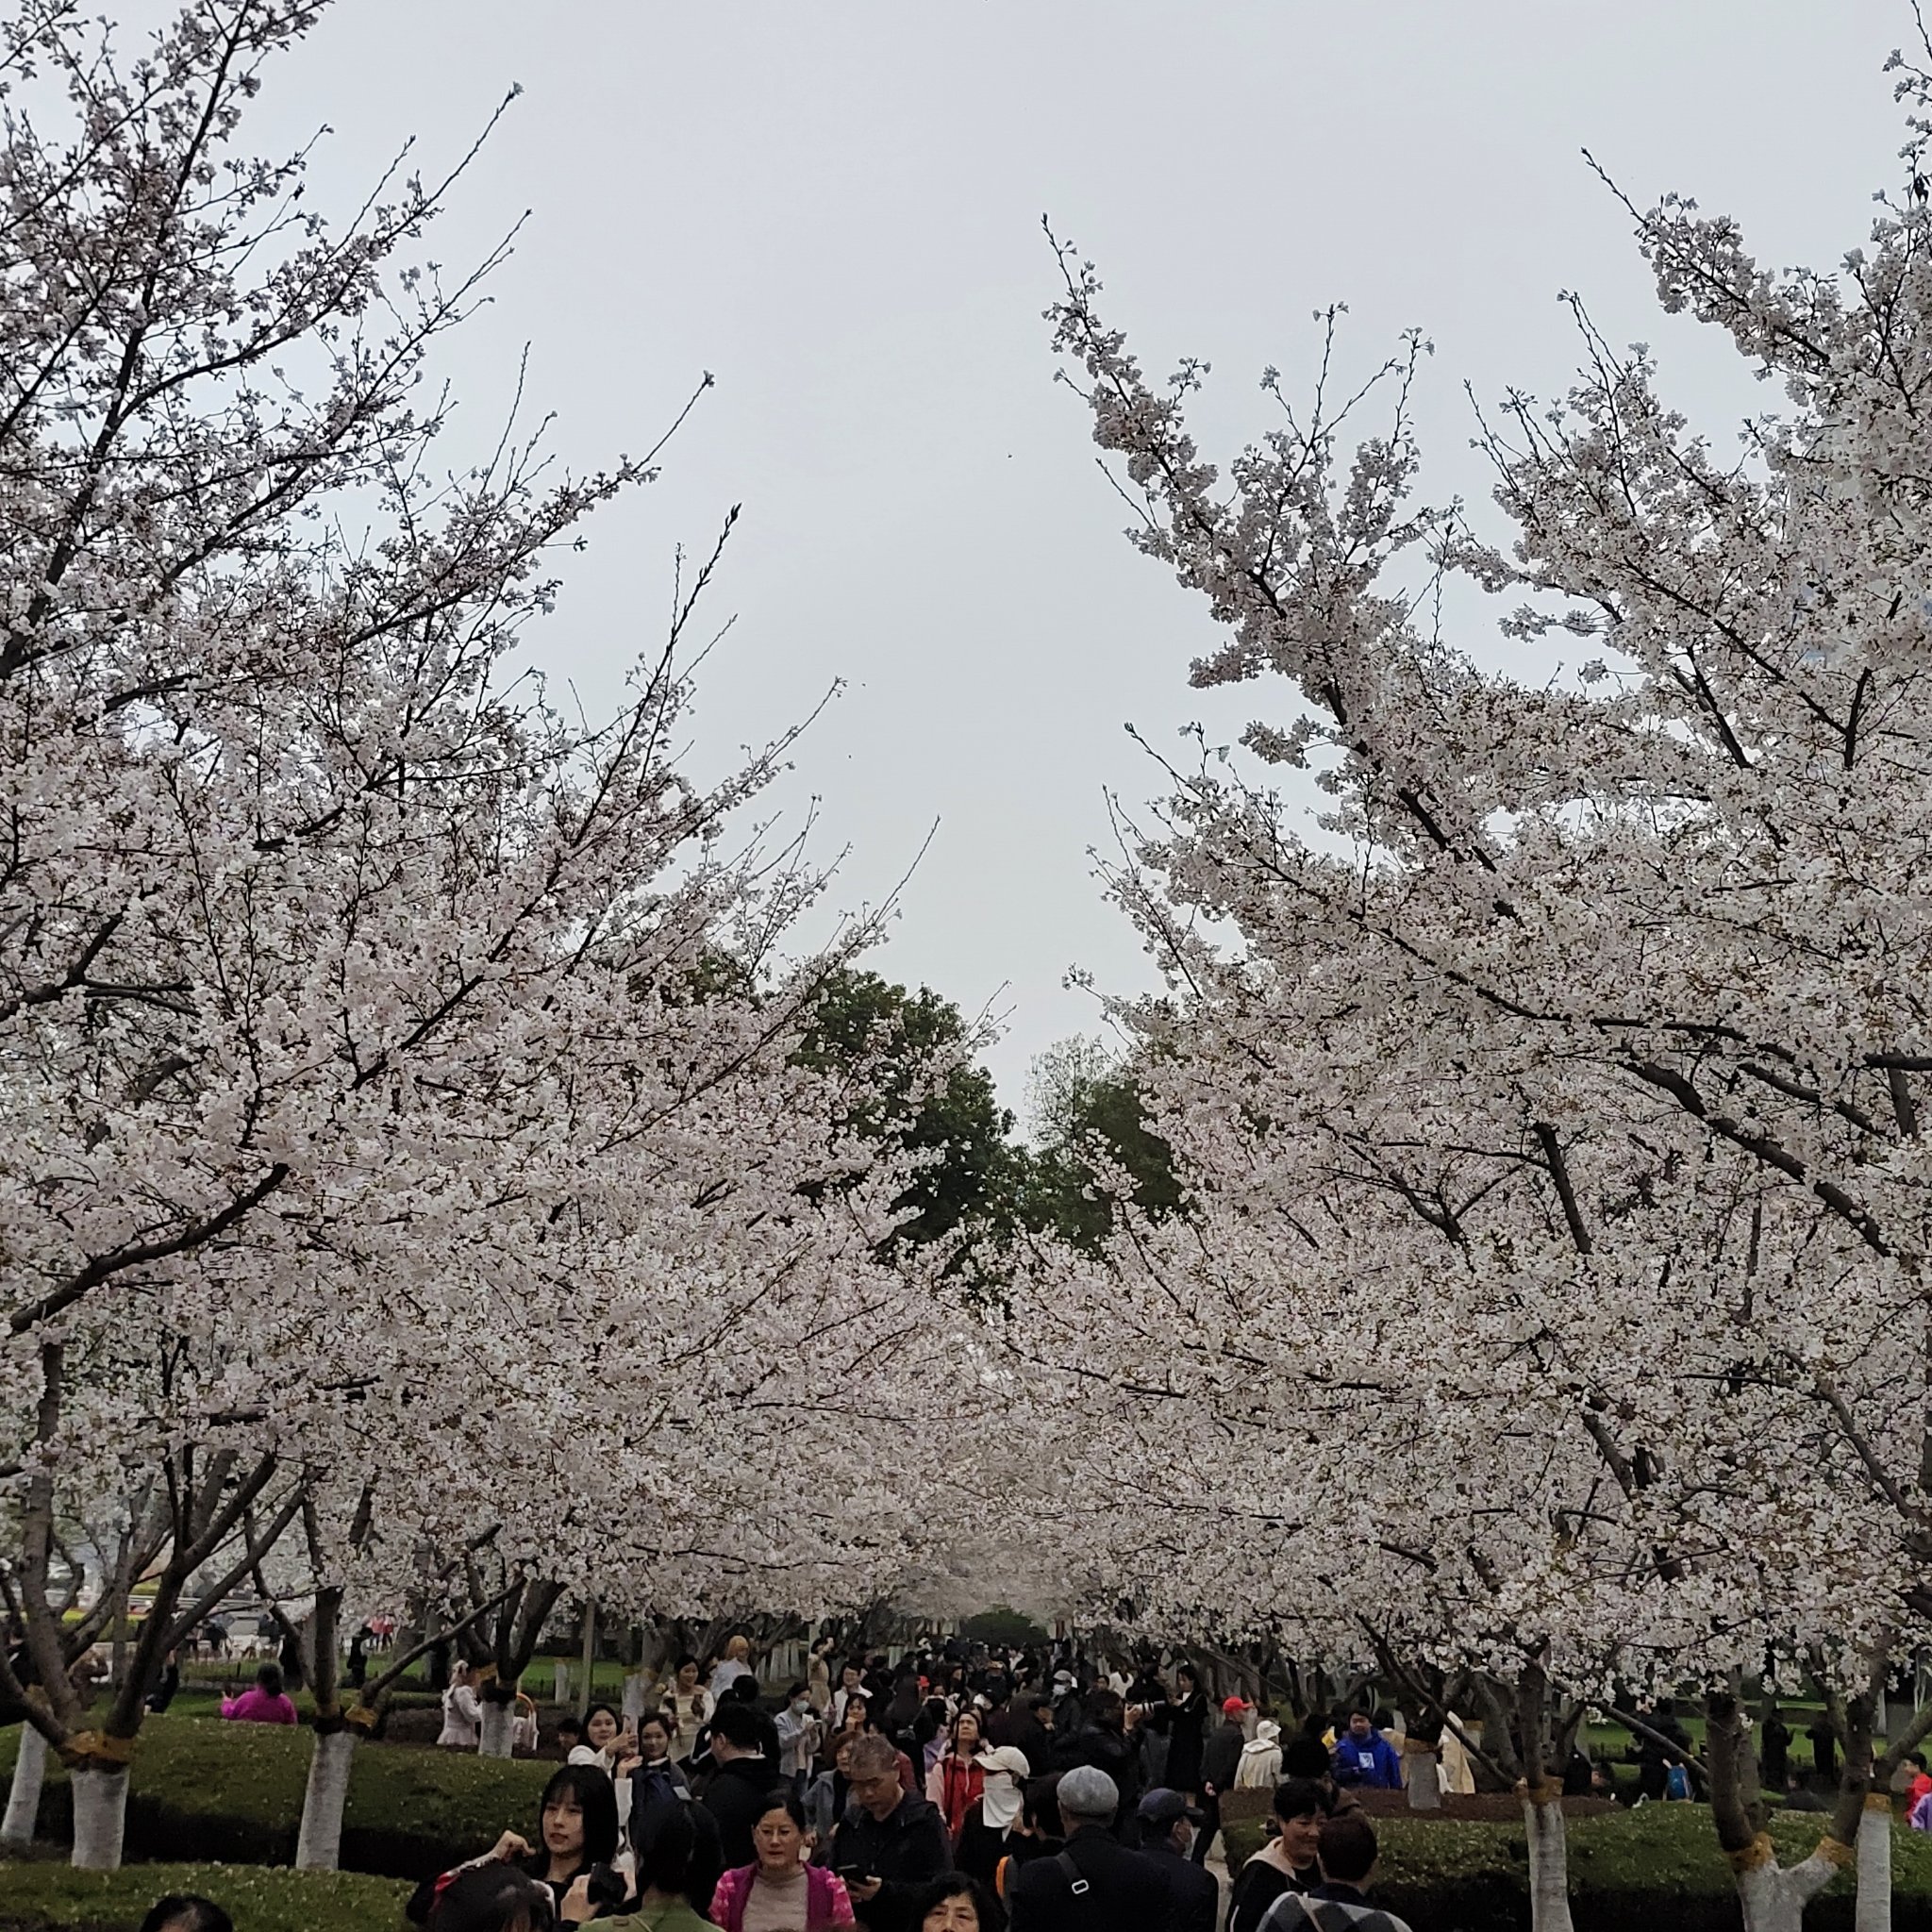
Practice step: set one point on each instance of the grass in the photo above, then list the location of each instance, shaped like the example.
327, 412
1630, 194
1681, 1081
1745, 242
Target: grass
236, 1791
41, 1897
1667, 1852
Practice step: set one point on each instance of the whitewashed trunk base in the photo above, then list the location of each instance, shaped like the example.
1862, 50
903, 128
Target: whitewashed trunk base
1549, 1867
319, 1845
498, 1730
1425, 1772
24, 1798
1872, 1912
100, 1819
1774, 1897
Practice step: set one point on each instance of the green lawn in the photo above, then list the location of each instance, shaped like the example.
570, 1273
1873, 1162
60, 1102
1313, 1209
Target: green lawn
39, 1897
1659, 1866
234, 1791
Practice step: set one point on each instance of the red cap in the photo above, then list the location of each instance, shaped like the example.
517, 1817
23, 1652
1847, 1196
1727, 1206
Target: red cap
1233, 1706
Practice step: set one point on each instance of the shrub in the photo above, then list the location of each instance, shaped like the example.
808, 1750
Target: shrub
232, 1793
38, 1898
1657, 1867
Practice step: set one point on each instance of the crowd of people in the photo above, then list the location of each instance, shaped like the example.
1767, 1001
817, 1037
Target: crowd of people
1007, 1793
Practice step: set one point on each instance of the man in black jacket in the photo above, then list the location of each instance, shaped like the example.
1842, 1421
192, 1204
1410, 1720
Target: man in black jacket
1220, 1755
1095, 1884
1168, 1823
890, 1844
1106, 1741
735, 1793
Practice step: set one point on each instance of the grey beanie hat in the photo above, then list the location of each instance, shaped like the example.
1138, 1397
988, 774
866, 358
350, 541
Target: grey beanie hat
1087, 1791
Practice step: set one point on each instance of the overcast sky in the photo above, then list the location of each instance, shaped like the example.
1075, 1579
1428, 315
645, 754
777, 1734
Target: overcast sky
835, 206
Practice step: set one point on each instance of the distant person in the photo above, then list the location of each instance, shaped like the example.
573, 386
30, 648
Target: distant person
1773, 1749
1364, 1757
1823, 1750
735, 1663
1220, 1757
1187, 1732
1667, 1745
1094, 1883
462, 1712
1259, 1768
264, 1703
1168, 1823
167, 1685
184, 1911
1346, 1855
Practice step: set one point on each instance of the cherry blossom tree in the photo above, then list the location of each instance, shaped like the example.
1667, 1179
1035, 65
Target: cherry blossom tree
1580, 1037
402, 1076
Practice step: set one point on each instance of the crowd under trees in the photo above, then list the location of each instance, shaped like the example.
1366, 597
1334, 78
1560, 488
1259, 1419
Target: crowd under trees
1501, 1247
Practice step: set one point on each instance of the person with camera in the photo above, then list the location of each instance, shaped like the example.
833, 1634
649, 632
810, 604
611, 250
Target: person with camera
576, 1837
779, 1891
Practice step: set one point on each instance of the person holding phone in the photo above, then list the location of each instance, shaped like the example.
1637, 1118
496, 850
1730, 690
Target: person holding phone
781, 1891
890, 1845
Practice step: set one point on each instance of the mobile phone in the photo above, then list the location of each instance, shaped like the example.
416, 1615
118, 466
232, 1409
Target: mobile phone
855, 1874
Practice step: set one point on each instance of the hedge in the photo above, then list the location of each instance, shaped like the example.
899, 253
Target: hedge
1658, 1866
44, 1897
232, 1793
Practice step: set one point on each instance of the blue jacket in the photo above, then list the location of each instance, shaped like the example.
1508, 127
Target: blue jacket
1372, 1763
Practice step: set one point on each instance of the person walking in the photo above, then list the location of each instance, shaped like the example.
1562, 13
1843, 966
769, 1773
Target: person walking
1287, 1861
1094, 1883
1220, 1757
890, 1844
779, 1891
1346, 1855
958, 1778
735, 1791
1259, 1766
1168, 1823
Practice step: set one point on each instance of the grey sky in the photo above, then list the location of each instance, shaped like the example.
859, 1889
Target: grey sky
835, 206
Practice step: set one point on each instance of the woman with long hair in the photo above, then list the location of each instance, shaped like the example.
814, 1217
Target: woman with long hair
957, 1779
577, 1828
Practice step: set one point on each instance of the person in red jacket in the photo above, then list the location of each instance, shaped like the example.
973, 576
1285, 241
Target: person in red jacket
958, 1780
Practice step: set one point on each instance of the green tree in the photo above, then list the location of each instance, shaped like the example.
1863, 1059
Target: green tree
908, 1060
1088, 1112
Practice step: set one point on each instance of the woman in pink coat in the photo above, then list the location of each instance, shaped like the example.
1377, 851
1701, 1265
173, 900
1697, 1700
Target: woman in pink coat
266, 1704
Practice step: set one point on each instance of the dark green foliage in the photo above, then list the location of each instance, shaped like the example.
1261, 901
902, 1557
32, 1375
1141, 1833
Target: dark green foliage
45, 1898
885, 1043
1003, 1625
1087, 1104
1658, 1868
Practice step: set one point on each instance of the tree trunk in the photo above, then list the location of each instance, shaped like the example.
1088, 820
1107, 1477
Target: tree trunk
100, 1817
1549, 1860
1874, 1910
498, 1729
319, 1847
23, 1799
590, 1653
1773, 1897
1422, 1769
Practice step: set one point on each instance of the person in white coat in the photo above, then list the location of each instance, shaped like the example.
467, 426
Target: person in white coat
462, 1712
1259, 1769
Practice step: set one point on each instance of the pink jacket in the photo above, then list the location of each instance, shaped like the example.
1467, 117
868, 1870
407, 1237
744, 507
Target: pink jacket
826, 1900
255, 1707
